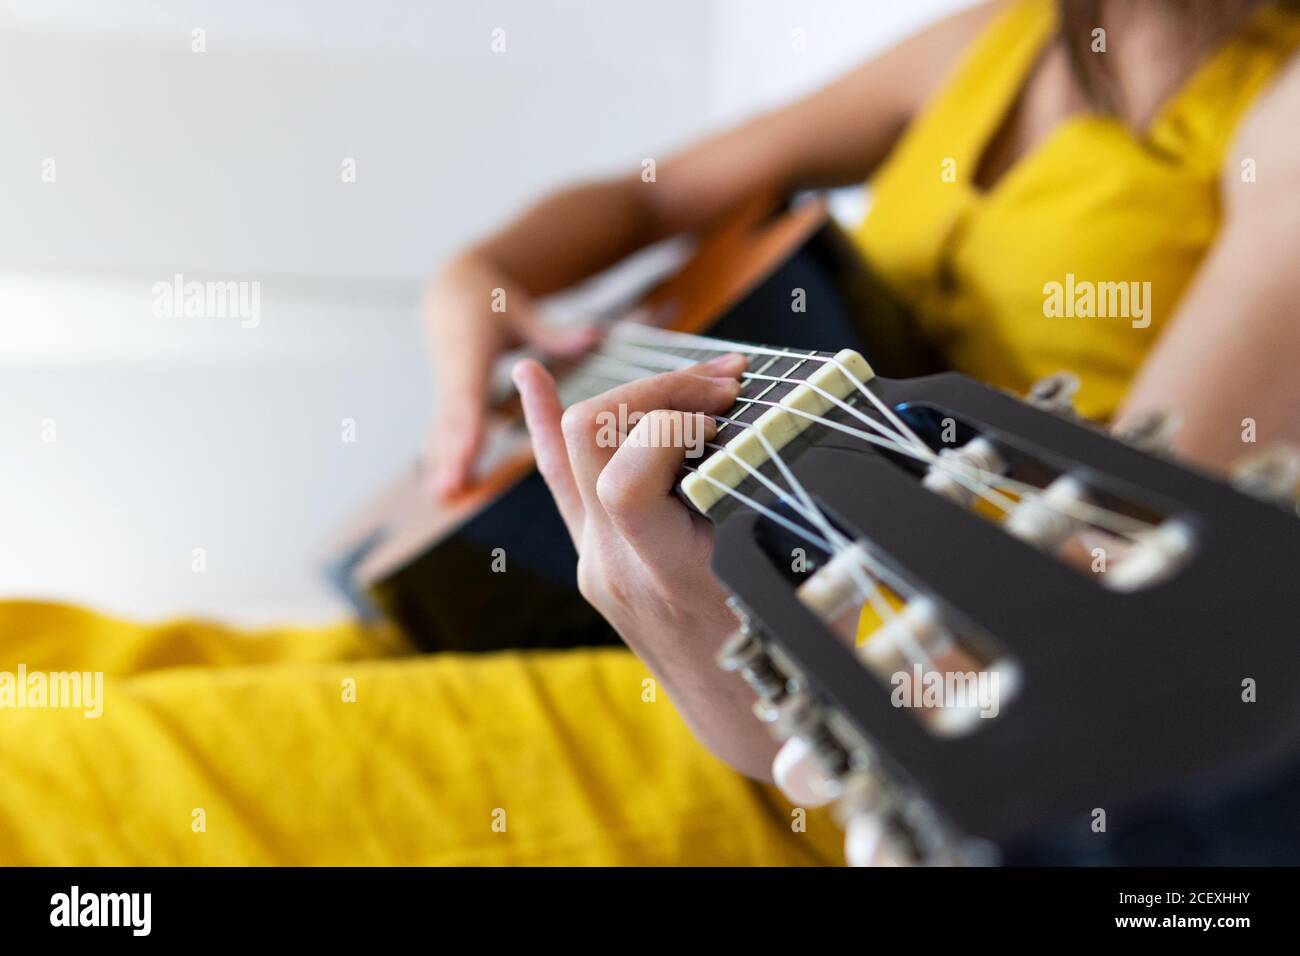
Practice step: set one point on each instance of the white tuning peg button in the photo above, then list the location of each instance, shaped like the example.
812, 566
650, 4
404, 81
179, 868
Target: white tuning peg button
799, 776
866, 843
958, 469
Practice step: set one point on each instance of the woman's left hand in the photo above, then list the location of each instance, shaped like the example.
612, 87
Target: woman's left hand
643, 557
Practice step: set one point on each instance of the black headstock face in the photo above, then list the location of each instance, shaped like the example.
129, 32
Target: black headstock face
1129, 672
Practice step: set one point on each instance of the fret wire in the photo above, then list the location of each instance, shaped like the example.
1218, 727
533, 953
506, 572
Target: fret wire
748, 401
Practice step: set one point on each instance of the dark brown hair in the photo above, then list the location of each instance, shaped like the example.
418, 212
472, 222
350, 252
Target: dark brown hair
1206, 23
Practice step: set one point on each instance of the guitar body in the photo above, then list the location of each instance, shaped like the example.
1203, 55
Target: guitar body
495, 569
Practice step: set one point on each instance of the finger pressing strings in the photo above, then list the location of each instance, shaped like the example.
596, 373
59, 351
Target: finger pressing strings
890, 439
628, 362
633, 371
651, 334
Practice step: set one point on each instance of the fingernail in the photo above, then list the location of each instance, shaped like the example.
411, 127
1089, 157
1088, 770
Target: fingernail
723, 361
723, 381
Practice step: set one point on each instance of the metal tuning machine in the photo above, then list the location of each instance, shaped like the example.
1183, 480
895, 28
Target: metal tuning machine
884, 824
1271, 474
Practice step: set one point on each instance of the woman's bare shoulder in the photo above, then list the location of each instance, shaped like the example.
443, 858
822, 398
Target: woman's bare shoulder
1266, 148
931, 53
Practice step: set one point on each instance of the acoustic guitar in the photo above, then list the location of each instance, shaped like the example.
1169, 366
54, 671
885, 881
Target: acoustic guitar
997, 632
436, 569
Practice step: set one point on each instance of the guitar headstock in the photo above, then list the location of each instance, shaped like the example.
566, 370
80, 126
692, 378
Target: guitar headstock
1102, 628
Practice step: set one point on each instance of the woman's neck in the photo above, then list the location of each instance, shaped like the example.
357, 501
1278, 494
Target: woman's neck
1151, 48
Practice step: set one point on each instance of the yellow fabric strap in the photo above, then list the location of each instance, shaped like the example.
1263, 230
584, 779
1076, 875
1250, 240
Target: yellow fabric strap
984, 85
1199, 123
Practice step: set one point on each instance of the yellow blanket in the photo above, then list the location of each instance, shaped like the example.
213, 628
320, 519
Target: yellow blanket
338, 746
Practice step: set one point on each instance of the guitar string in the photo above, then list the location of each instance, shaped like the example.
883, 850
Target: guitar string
666, 361
865, 586
724, 345
925, 452
834, 400
890, 440
977, 485
765, 511
640, 361
969, 476
901, 431
1115, 522
762, 377
987, 484
810, 511
835, 543
750, 401
868, 587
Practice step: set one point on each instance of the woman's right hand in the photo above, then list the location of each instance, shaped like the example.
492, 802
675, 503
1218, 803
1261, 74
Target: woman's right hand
582, 229
473, 313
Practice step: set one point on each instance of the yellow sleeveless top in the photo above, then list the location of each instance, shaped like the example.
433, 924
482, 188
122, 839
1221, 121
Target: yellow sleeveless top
1023, 280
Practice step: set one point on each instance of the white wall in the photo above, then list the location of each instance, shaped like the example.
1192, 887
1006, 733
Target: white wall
173, 434
757, 62
229, 161
768, 52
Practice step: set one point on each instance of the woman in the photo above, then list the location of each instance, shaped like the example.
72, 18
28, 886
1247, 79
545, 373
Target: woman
1168, 162
1005, 154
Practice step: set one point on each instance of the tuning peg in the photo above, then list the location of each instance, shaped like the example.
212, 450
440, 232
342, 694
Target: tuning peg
872, 834
797, 774
1055, 394
1045, 519
796, 716
739, 650
963, 468
868, 841
1154, 556
919, 627
1151, 431
1271, 474
743, 653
